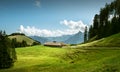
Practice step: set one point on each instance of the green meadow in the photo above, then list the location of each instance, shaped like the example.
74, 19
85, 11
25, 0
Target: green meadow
81, 59
99, 37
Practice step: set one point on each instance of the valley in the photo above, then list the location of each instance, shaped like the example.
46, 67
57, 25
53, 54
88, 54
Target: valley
79, 58
60, 36
47, 59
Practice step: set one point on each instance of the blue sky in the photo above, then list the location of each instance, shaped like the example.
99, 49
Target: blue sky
48, 17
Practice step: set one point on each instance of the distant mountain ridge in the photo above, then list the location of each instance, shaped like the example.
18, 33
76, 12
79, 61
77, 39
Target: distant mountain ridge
59, 38
75, 39
68, 39
42, 40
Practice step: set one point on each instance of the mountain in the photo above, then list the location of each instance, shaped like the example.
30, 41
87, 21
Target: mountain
59, 38
49, 39
42, 40
111, 41
75, 39
20, 38
68, 39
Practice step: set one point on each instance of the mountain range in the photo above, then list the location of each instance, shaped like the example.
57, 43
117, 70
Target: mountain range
68, 39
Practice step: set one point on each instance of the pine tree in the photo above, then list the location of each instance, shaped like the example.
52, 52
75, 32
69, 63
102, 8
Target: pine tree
96, 25
6, 51
102, 26
90, 33
85, 34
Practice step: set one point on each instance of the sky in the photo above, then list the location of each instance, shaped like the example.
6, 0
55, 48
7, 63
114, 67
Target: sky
48, 17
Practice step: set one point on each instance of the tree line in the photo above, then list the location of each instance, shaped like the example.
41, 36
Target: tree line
107, 22
13, 34
16, 44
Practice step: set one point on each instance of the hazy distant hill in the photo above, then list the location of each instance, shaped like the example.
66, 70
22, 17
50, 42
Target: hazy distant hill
75, 39
59, 38
48, 39
42, 40
69, 39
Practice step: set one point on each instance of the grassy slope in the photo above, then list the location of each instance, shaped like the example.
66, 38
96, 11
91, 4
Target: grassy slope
47, 59
113, 40
20, 38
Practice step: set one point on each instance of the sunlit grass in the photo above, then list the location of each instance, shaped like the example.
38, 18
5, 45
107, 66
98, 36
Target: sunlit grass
48, 59
20, 38
111, 41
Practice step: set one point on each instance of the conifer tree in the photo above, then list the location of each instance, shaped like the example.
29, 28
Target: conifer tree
7, 53
85, 34
103, 25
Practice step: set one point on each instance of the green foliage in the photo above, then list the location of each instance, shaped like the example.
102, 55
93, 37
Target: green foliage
7, 53
36, 43
85, 34
102, 25
16, 44
24, 43
95, 27
13, 34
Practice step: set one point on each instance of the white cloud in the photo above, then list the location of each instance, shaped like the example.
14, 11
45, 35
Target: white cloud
37, 3
73, 27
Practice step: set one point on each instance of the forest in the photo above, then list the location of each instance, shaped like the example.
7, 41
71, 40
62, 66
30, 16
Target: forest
107, 22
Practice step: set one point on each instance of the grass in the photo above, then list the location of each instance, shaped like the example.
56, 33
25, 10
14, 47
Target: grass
20, 38
111, 41
47, 59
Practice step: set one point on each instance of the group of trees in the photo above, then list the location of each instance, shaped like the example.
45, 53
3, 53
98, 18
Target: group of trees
16, 44
107, 22
7, 52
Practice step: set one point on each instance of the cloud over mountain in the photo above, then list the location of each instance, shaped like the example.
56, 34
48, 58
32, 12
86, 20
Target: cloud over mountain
73, 27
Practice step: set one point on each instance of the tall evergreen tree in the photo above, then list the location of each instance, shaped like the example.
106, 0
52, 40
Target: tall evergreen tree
103, 24
85, 34
90, 33
6, 51
96, 24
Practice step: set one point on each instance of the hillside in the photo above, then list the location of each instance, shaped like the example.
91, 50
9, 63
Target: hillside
111, 41
42, 40
20, 38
